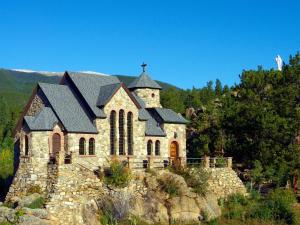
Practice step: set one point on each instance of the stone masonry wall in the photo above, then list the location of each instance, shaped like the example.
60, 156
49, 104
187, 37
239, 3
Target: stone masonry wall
151, 97
179, 137
119, 101
33, 170
36, 105
75, 187
224, 182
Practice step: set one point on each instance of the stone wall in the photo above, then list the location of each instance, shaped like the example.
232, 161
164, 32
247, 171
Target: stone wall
33, 170
120, 101
151, 97
224, 182
75, 188
176, 132
36, 106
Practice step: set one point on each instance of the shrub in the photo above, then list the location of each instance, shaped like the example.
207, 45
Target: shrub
221, 162
36, 204
118, 174
19, 213
115, 208
170, 186
6, 163
280, 201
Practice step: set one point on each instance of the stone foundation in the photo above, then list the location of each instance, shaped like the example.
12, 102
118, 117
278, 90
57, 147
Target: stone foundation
224, 182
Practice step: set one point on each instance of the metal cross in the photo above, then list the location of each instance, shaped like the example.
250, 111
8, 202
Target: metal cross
144, 66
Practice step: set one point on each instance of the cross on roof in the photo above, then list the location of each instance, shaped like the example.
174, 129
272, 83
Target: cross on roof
144, 66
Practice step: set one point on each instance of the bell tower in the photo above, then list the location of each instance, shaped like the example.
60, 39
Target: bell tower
146, 89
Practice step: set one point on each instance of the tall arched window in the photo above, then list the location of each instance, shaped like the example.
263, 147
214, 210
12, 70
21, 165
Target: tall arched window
113, 132
130, 133
157, 147
56, 144
26, 146
92, 146
149, 147
82, 146
121, 132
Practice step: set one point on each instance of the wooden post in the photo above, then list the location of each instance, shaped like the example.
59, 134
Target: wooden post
206, 162
229, 162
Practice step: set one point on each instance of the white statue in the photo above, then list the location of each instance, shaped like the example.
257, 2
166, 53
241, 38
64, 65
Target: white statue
279, 62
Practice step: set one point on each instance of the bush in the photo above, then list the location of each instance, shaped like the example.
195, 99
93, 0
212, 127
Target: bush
280, 202
115, 208
118, 174
36, 204
170, 186
6, 163
221, 162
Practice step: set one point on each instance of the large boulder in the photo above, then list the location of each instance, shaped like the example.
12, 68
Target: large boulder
32, 220
90, 214
27, 200
7, 213
40, 213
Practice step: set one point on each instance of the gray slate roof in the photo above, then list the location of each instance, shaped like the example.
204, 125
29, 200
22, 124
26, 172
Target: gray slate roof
144, 81
67, 108
89, 86
169, 116
106, 93
44, 120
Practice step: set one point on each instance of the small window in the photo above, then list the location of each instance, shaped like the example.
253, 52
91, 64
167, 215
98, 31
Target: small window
82, 146
152, 95
92, 146
157, 147
149, 147
26, 145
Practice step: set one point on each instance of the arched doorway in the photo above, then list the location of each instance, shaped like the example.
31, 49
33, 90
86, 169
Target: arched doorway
56, 144
174, 150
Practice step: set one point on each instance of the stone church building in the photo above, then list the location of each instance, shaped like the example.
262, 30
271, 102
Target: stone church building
89, 119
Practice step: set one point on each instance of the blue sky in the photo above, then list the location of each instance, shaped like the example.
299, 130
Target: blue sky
186, 43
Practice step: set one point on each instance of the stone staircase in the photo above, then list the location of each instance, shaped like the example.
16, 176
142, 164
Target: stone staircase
75, 186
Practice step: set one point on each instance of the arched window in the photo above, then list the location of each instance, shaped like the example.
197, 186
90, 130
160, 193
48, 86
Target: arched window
26, 146
56, 144
157, 147
82, 146
130, 133
149, 147
92, 146
113, 132
121, 132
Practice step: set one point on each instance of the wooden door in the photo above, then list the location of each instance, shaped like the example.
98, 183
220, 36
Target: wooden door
56, 144
174, 150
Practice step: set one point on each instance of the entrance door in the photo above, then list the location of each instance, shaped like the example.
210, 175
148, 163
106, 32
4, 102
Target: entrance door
56, 144
174, 150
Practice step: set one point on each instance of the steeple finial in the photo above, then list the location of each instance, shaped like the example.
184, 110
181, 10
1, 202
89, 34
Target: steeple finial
144, 66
